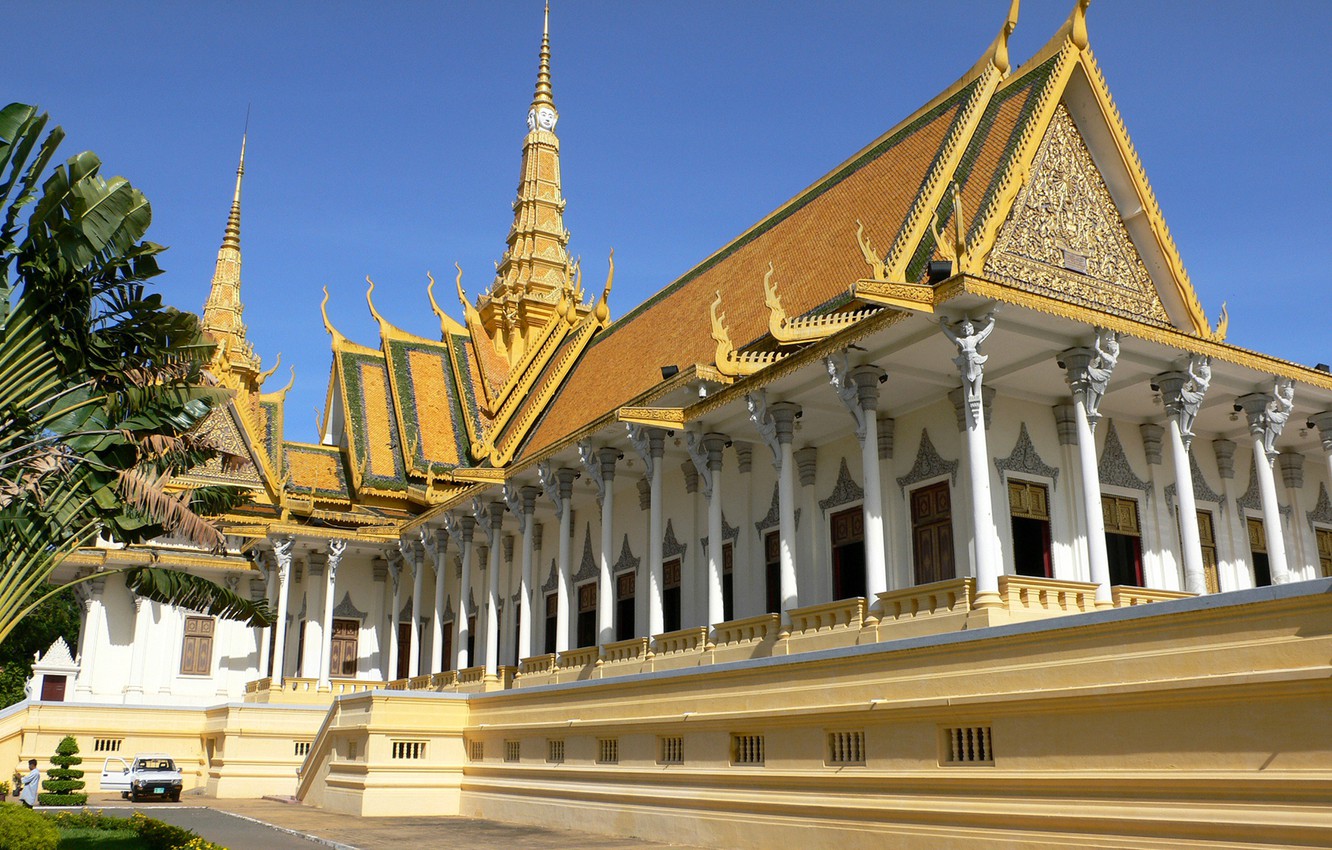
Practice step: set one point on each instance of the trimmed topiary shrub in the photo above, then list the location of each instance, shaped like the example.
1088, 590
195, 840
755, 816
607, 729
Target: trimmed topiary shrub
23, 829
63, 782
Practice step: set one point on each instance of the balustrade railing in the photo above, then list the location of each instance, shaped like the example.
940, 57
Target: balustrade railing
634, 649
1123, 596
1034, 595
749, 630
684, 640
927, 600
826, 616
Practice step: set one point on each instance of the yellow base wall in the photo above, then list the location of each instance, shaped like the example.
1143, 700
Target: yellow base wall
1197, 723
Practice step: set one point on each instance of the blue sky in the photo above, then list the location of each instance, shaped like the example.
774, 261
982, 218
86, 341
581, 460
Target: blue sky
385, 138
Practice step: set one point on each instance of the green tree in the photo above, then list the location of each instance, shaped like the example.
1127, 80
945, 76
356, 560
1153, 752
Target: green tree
57, 617
64, 782
101, 385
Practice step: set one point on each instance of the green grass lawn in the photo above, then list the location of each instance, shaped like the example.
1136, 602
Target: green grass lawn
99, 839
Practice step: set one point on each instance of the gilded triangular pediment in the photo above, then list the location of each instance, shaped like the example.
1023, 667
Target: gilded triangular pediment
236, 463
1064, 236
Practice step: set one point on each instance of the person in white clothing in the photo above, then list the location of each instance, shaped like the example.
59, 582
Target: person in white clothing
31, 780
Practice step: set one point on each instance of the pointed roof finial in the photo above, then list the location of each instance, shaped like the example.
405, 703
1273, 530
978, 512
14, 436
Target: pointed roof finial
999, 50
542, 96
231, 238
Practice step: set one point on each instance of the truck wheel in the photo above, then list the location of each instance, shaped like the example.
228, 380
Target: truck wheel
134, 796
175, 796
124, 795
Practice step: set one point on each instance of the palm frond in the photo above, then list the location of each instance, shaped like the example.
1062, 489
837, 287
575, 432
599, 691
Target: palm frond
185, 590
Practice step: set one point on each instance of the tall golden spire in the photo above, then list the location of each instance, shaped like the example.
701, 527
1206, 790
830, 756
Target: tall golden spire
542, 96
534, 280
234, 363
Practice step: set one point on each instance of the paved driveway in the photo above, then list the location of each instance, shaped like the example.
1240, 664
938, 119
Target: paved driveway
252, 824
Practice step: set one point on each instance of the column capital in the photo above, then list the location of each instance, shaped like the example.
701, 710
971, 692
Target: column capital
1292, 469
528, 495
1268, 412
867, 379
744, 455
807, 464
1153, 436
314, 564
1088, 371
784, 414
1225, 457
566, 476
960, 406
1323, 422
608, 457
466, 528
714, 444
887, 428
649, 443
495, 514
1182, 392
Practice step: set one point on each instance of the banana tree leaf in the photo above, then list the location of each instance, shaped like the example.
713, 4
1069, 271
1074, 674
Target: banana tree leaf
185, 590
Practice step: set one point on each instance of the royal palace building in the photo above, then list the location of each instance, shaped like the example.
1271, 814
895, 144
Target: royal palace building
932, 510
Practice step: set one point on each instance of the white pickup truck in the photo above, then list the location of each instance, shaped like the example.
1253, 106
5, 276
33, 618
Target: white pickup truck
150, 775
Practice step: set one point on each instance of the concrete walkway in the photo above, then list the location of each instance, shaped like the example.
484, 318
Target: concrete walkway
302, 826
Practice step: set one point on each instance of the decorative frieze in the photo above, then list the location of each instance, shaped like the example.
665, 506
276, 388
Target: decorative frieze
928, 464
670, 547
628, 561
552, 579
1202, 492
845, 491
1025, 460
346, 610
587, 567
1115, 470
1322, 511
773, 517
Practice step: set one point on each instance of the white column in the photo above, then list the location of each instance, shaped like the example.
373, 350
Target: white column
1088, 374
1230, 572
282, 550
599, 465
94, 613
565, 479
1267, 414
526, 589
379, 571
1323, 422
143, 621
782, 416
650, 443
270, 588
336, 549
867, 381
460, 628
971, 363
1182, 394
713, 445
495, 515
415, 552
312, 628
509, 617
391, 670
1304, 549
439, 552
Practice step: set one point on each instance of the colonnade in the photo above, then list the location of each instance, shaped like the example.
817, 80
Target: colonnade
1088, 372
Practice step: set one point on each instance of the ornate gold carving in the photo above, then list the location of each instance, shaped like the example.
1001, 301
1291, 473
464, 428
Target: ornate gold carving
1065, 215
1167, 336
951, 242
878, 269
808, 328
729, 361
905, 296
656, 417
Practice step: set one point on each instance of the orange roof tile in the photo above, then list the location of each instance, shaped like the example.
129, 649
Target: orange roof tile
812, 244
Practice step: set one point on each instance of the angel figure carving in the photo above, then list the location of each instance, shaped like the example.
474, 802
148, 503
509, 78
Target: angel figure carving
1278, 411
968, 339
1191, 394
